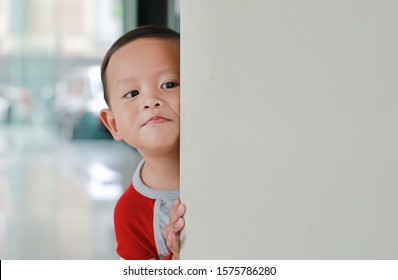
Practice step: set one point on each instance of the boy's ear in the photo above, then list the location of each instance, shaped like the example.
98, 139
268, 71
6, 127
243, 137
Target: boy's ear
109, 121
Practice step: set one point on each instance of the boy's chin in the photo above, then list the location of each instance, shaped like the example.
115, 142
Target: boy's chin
160, 148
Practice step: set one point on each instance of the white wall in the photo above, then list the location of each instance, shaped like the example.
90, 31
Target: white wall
290, 129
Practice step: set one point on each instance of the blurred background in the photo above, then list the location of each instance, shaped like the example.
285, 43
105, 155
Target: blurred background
60, 171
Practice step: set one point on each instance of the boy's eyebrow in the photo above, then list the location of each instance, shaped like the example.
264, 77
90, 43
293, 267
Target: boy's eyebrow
132, 79
126, 80
168, 70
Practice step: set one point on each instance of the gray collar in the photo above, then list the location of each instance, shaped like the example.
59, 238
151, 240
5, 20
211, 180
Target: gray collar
152, 193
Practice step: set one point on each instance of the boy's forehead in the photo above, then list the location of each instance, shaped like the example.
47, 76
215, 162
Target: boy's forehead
147, 48
144, 56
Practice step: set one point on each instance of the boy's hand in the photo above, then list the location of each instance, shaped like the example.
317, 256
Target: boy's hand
171, 232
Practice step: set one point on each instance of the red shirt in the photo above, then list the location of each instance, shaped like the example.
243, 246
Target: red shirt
140, 214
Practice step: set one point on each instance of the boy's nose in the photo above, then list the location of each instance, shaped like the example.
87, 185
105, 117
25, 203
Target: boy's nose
149, 105
151, 100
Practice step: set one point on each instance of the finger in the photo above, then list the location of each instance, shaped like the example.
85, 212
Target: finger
173, 242
175, 227
181, 209
166, 230
174, 211
177, 212
179, 225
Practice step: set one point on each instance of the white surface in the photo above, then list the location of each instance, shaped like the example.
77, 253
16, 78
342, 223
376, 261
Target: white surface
290, 129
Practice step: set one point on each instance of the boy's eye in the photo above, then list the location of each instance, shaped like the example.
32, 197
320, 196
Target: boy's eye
169, 85
132, 94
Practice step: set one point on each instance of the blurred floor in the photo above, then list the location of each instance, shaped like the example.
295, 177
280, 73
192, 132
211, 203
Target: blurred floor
57, 196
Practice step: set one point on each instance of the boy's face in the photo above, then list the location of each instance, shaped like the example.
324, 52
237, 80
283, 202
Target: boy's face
143, 80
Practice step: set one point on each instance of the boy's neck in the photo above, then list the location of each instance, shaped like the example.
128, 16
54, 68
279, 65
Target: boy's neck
161, 173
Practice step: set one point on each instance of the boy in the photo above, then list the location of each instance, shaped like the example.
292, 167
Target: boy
141, 79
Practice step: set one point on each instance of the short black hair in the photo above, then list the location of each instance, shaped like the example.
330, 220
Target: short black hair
146, 31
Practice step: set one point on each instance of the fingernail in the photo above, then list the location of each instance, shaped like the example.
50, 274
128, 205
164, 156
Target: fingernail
180, 223
180, 209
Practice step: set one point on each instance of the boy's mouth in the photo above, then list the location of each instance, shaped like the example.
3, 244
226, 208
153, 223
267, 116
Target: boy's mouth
156, 120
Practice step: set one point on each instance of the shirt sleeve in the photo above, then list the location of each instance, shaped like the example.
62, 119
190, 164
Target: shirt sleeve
128, 247
133, 227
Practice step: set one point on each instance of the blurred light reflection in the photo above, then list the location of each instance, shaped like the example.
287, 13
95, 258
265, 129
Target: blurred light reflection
103, 182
